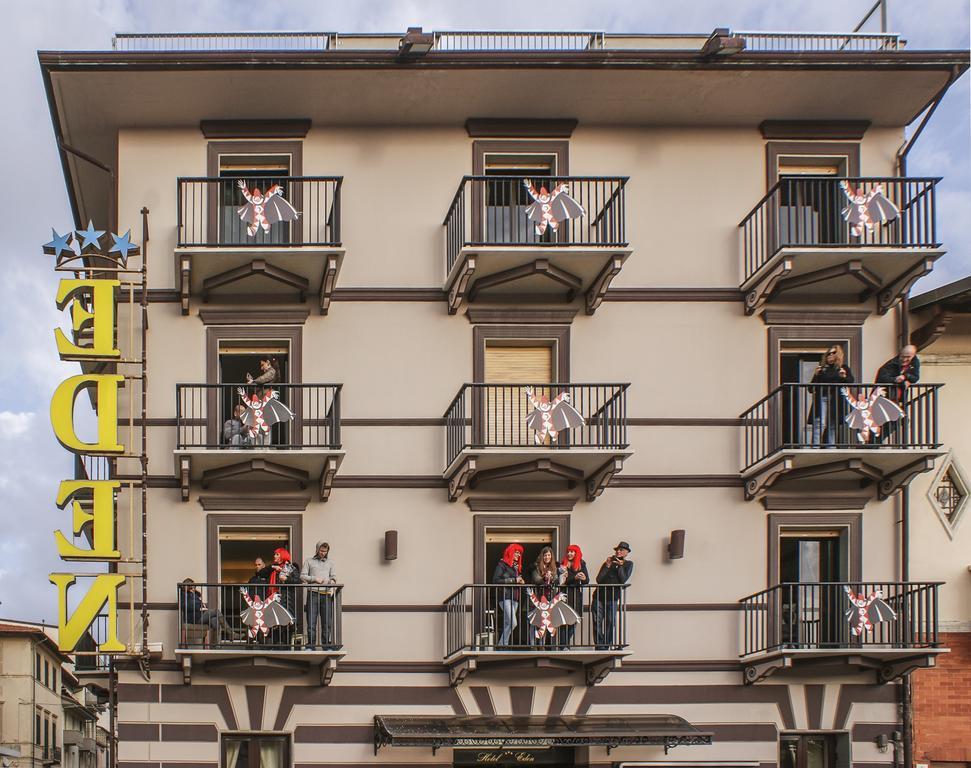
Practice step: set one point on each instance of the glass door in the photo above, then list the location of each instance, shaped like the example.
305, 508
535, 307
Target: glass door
811, 609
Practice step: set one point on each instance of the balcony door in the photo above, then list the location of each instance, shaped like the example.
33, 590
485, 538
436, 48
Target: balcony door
255, 750
239, 547
810, 208
812, 611
797, 367
506, 407
506, 198
237, 358
814, 750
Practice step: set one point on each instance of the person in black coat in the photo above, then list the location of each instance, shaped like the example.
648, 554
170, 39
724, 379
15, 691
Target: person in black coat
896, 375
616, 570
574, 576
829, 406
260, 578
194, 610
509, 571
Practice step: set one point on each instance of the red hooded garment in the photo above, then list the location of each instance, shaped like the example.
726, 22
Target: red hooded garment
284, 558
577, 558
508, 559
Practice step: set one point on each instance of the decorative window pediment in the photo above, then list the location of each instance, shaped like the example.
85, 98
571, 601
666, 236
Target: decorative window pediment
948, 493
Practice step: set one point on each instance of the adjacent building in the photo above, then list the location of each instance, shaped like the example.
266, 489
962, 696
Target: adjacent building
374, 262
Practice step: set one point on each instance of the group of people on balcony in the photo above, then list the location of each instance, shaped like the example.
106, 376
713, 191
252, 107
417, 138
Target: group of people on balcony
834, 407
247, 427
553, 597
266, 614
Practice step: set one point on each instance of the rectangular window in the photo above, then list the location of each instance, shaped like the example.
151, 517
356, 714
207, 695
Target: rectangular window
47, 673
37, 726
255, 751
814, 750
37, 663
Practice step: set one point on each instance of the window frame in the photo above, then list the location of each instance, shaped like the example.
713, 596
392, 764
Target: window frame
255, 736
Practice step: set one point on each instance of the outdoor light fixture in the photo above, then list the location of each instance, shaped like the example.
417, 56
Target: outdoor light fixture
415, 42
676, 545
882, 742
390, 545
722, 42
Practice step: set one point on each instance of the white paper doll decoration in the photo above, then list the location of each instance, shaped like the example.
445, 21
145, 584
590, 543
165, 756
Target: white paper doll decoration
549, 417
550, 207
264, 208
868, 414
867, 610
867, 210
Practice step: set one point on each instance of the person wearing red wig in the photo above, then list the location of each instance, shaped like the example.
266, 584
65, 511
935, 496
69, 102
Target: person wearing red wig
574, 575
509, 570
283, 572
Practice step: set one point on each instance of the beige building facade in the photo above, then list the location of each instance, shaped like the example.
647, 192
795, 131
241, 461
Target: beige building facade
404, 312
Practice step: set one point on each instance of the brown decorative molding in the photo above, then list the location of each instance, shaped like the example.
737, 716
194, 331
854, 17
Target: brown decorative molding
389, 481
138, 732
161, 296
559, 524
673, 294
333, 734
255, 146
255, 701
388, 294
825, 130
251, 316
776, 149
138, 693
857, 693
295, 128
517, 316
251, 503
526, 504
521, 699
394, 422
293, 522
850, 522
675, 421
483, 699
197, 732
676, 481
392, 667
675, 665
559, 148
520, 128
558, 699
201, 694
814, 705
781, 501
678, 607
557, 335
815, 317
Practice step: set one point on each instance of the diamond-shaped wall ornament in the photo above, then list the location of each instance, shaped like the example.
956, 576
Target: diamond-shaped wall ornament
949, 493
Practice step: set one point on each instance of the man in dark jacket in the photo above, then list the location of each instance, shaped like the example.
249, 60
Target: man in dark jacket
616, 570
195, 611
897, 374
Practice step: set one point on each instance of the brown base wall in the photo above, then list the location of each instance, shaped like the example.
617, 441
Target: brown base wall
942, 704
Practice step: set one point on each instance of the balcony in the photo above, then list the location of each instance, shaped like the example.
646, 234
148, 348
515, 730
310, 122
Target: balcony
474, 628
493, 251
808, 627
797, 244
488, 439
216, 257
284, 650
784, 450
303, 452
78, 739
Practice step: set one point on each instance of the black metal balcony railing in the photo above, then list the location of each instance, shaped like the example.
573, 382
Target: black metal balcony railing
819, 615
481, 617
216, 618
807, 211
813, 416
208, 212
494, 416
205, 412
491, 210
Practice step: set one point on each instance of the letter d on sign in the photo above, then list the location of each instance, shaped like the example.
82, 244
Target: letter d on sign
103, 591
62, 413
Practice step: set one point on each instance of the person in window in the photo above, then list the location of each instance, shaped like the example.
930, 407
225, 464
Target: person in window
573, 576
896, 375
268, 374
235, 433
316, 571
509, 571
193, 610
283, 574
260, 578
829, 408
616, 570
545, 577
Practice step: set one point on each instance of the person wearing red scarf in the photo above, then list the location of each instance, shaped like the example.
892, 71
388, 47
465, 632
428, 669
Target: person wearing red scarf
509, 571
574, 576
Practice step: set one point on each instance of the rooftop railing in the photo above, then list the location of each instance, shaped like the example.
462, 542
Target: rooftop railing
492, 210
480, 617
795, 416
223, 41
205, 417
211, 212
222, 616
800, 42
518, 41
495, 416
816, 212
819, 615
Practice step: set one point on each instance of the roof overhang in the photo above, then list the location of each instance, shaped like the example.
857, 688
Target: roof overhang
501, 732
93, 95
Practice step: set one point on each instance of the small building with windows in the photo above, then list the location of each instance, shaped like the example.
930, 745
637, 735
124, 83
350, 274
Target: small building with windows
447, 301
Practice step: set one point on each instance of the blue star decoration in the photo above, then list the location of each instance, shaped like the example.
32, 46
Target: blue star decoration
123, 246
90, 238
59, 243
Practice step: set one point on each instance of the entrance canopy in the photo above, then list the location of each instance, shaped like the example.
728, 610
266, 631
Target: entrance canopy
494, 732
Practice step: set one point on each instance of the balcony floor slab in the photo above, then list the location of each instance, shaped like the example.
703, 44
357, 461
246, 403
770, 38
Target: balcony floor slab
887, 660
596, 664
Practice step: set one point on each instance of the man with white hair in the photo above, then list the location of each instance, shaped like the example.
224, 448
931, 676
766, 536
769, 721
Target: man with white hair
896, 375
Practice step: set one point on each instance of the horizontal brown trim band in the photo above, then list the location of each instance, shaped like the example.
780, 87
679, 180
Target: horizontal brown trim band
676, 481
826, 130
439, 607
674, 665
519, 127
292, 128
389, 481
673, 294
388, 294
391, 421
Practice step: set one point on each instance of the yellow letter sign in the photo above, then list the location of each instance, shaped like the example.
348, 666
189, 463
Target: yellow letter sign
104, 590
101, 318
62, 413
101, 517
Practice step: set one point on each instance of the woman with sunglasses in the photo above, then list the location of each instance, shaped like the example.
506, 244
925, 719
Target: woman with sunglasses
828, 407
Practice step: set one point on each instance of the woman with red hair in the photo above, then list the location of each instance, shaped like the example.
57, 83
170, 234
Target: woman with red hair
283, 572
574, 576
509, 570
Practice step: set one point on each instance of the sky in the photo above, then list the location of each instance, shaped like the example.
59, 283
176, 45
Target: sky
32, 463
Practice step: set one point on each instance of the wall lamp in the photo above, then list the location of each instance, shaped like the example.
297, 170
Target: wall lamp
882, 742
722, 42
390, 545
415, 42
676, 545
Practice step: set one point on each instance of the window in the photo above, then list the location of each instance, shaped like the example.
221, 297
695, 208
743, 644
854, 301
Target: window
38, 716
47, 673
814, 750
948, 493
37, 664
255, 751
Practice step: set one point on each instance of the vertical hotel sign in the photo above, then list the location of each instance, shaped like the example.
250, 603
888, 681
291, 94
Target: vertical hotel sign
95, 266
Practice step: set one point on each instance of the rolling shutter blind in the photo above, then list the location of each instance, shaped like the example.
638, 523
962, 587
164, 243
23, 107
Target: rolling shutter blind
507, 407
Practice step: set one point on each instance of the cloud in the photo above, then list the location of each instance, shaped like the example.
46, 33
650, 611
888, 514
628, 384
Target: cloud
14, 424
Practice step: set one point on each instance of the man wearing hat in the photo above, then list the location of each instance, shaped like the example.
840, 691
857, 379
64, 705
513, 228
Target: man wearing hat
616, 570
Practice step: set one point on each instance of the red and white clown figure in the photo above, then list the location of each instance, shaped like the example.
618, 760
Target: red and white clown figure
867, 610
550, 613
549, 418
867, 210
869, 414
262, 412
264, 613
550, 207
264, 208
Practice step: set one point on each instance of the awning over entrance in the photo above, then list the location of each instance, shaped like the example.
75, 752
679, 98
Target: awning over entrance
492, 732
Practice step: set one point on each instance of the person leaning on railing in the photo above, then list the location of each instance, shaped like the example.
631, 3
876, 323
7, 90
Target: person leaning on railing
318, 570
897, 374
615, 571
829, 407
